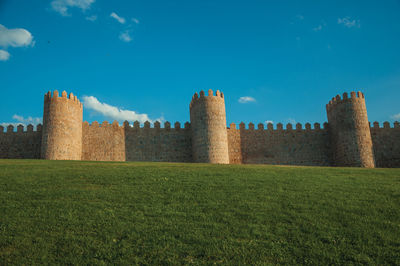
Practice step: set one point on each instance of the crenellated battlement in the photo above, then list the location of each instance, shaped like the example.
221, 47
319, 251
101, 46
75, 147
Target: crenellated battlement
21, 128
354, 96
137, 125
279, 127
71, 98
218, 96
385, 125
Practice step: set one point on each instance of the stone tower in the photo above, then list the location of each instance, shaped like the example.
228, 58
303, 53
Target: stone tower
62, 127
350, 132
208, 123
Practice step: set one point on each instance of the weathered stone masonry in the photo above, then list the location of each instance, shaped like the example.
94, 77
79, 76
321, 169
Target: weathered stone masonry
346, 140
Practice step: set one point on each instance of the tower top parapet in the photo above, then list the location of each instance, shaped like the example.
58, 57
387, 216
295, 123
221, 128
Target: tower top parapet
196, 98
338, 100
49, 97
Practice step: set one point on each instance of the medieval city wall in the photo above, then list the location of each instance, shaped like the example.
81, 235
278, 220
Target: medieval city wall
158, 144
299, 146
105, 142
20, 144
386, 144
112, 142
291, 146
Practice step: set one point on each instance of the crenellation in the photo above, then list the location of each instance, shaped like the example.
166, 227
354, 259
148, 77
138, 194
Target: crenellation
386, 124
10, 129
20, 128
29, 128
115, 124
348, 139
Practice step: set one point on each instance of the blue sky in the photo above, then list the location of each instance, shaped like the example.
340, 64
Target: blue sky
145, 59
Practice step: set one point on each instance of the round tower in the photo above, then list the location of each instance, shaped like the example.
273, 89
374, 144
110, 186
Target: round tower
350, 132
62, 127
208, 124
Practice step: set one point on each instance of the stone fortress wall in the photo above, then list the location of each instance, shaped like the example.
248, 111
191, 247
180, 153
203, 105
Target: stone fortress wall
346, 140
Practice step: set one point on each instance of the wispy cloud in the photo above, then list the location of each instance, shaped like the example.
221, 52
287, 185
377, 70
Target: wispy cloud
62, 6
349, 23
299, 17
20, 120
125, 36
246, 99
135, 20
118, 18
396, 116
291, 121
27, 120
318, 28
91, 18
113, 112
4, 55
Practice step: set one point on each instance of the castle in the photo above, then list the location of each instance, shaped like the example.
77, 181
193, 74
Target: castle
346, 140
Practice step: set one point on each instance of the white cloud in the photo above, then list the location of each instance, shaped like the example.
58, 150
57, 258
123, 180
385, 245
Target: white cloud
246, 99
27, 120
348, 22
22, 121
4, 55
92, 18
135, 20
115, 113
15, 37
118, 18
125, 36
300, 17
396, 116
269, 121
62, 6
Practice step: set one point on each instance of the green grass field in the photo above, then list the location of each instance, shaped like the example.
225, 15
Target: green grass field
59, 212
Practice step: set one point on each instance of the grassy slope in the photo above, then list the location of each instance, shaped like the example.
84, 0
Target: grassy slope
88, 212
